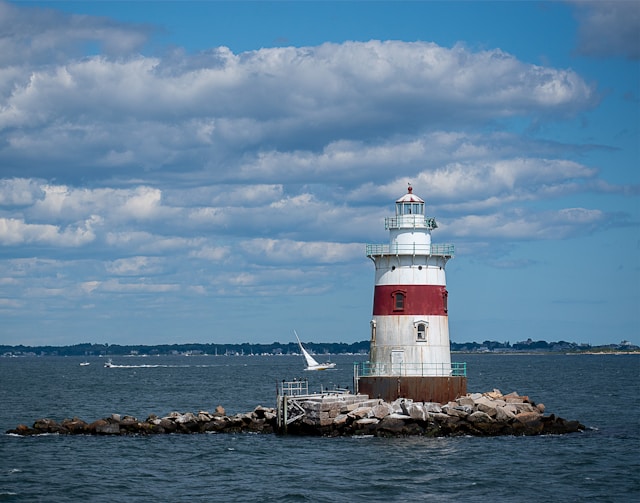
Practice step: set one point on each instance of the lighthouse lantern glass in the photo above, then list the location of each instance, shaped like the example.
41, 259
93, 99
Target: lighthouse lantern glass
409, 209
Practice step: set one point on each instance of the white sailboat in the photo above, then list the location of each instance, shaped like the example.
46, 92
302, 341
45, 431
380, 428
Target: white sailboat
312, 364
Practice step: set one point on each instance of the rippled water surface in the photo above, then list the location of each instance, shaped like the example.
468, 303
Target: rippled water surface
601, 464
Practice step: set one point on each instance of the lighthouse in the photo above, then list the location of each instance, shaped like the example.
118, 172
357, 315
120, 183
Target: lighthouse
410, 354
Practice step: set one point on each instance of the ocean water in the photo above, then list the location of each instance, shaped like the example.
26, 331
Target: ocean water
601, 464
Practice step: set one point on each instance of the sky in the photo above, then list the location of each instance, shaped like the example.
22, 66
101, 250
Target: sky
211, 172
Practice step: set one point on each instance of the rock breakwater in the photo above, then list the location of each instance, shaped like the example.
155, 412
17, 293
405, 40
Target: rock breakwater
260, 420
475, 414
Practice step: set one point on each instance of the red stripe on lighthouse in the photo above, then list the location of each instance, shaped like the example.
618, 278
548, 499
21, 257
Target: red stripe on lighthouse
418, 300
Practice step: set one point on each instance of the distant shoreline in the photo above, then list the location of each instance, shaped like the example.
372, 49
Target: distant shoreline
549, 353
360, 348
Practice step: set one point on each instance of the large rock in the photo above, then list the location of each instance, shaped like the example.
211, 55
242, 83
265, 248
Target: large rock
217, 424
484, 404
367, 420
527, 423
479, 417
104, 427
466, 401
204, 416
418, 412
360, 412
503, 414
391, 425
75, 425
341, 420
168, 425
525, 407
381, 410
46, 425
130, 423
511, 408
439, 417
432, 407
400, 406
22, 429
494, 395
189, 417
458, 411
262, 412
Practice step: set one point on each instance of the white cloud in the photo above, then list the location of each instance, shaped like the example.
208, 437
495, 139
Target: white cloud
489, 180
68, 203
213, 253
142, 286
46, 35
530, 226
506, 179
17, 231
609, 28
140, 242
135, 266
243, 279
144, 115
283, 251
210, 215
19, 191
143, 204
89, 286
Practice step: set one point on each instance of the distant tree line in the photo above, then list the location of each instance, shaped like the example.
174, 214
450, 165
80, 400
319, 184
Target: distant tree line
530, 345
275, 348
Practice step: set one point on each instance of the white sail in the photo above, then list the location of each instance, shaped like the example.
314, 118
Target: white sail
309, 359
312, 364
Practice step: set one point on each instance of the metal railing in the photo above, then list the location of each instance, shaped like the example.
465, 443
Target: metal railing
296, 387
368, 369
440, 250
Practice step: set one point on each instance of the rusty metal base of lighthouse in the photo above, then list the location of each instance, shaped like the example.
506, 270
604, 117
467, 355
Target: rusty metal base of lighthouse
417, 388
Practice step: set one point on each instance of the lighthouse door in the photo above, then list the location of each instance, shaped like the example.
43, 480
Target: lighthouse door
397, 359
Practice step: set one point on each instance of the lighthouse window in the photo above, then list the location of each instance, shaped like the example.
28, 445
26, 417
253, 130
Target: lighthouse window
421, 334
398, 301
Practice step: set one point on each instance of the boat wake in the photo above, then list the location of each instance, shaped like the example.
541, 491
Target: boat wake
114, 366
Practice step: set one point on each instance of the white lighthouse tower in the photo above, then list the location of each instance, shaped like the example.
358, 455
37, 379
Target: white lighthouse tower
410, 355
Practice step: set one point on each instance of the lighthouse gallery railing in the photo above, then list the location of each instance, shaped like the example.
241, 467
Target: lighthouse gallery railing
441, 250
368, 369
